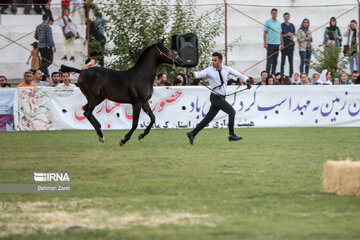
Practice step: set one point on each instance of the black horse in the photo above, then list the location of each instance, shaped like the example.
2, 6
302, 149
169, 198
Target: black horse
134, 86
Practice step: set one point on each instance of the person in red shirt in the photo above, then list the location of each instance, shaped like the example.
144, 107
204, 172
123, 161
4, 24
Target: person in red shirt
65, 5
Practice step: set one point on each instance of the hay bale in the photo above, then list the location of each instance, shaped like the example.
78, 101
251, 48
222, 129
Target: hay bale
342, 177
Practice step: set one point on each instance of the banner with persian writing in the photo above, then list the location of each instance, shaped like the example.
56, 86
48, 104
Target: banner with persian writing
185, 107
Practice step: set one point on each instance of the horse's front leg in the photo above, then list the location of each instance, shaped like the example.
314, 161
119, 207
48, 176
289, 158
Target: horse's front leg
136, 113
149, 112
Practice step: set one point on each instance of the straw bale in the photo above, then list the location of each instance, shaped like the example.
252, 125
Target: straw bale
342, 177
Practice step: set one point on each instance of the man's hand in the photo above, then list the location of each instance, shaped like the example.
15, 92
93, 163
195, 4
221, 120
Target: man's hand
248, 84
265, 45
191, 75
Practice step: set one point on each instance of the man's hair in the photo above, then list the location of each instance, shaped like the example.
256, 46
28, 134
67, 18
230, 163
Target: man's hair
303, 74
3, 77
160, 75
65, 73
355, 71
217, 54
45, 16
263, 72
353, 21
29, 71
55, 73
274, 9
34, 71
286, 14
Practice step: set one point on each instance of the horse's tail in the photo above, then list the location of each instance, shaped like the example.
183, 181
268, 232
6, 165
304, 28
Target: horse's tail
65, 68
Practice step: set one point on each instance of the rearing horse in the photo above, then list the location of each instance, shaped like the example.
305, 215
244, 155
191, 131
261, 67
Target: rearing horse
134, 86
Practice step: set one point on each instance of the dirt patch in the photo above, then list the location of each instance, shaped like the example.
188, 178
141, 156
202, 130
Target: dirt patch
28, 217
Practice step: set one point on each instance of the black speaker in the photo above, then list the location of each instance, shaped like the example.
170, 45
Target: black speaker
186, 45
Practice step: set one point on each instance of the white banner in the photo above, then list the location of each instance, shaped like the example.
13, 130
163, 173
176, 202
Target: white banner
46, 108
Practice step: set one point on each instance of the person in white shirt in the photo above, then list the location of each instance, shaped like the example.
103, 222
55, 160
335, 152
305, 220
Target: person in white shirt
217, 76
66, 85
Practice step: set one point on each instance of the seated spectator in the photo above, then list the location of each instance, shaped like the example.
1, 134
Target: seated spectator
196, 82
252, 81
296, 79
162, 79
231, 82
344, 79
55, 77
336, 81
286, 80
182, 77
66, 82
264, 75
89, 63
304, 80
3, 79
315, 76
269, 80
28, 80
278, 77
38, 78
325, 77
354, 76
5, 85
177, 82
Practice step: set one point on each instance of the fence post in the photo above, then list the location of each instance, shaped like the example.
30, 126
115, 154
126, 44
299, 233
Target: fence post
226, 50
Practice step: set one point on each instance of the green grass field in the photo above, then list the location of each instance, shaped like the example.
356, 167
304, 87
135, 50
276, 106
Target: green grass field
267, 186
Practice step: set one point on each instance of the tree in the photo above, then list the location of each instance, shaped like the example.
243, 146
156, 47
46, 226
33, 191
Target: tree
329, 58
136, 24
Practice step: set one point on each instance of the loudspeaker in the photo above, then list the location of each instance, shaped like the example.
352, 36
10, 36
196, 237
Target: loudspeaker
186, 45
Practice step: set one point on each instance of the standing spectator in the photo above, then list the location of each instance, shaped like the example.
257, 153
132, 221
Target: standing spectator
78, 7
333, 28
13, 8
344, 79
28, 78
55, 77
288, 33
46, 44
304, 39
272, 41
304, 80
35, 55
264, 75
65, 5
353, 42
38, 78
354, 76
325, 77
69, 30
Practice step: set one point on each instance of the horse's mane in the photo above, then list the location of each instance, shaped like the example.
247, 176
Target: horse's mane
144, 53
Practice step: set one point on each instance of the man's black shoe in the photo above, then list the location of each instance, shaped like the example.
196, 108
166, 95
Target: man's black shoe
234, 138
191, 137
2, 11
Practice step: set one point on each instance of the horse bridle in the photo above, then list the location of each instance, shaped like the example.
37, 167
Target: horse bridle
164, 55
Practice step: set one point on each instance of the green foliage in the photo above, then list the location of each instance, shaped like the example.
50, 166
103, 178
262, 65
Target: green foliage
330, 58
136, 24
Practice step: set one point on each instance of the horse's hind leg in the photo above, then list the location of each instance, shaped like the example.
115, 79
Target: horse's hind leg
149, 112
136, 113
88, 109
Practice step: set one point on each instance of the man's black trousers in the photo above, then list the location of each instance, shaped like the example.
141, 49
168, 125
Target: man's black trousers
217, 103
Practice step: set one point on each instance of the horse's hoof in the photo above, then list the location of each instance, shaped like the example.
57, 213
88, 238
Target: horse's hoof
102, 140
140, 137
122, 143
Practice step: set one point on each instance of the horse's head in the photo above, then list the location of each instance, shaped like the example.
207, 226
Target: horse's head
166, 55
